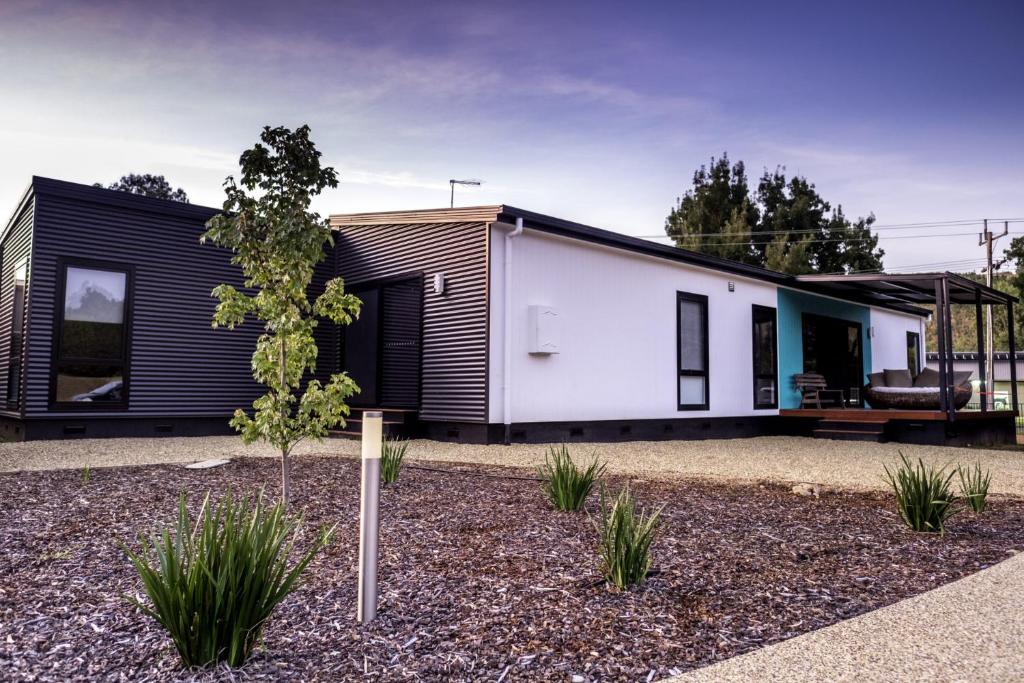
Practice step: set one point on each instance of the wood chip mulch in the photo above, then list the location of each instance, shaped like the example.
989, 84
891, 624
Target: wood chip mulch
480, 580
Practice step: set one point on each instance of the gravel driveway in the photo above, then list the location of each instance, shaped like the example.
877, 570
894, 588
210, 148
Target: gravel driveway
842, 464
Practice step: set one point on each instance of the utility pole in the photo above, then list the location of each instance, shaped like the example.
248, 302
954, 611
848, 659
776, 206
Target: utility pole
986, 239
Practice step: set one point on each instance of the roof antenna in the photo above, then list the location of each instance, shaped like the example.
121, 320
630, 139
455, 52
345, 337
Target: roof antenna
468, 181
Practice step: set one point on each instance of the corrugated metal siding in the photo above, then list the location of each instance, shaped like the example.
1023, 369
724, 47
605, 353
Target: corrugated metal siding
17, 245
454, 379
179, 365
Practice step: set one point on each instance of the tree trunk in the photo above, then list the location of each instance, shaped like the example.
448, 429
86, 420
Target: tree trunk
286, 478
286, 464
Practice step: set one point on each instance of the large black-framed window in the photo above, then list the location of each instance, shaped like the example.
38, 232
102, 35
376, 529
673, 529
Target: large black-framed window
766, 357
692, 350
91, 338
914, 353
16, 345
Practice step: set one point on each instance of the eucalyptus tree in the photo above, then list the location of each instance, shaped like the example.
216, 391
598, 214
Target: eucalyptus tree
147, 185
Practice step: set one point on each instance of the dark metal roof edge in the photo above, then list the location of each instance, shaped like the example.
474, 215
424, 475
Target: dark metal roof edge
558, 226
955, 278
118, 198
910, 309
537, 221
971, 284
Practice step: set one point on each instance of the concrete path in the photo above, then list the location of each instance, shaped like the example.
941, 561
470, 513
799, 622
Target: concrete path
968, 630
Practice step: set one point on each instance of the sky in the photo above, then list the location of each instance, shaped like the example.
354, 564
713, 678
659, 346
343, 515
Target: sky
589, 111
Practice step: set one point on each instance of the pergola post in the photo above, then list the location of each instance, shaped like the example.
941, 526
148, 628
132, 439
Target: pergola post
950, 389
1013, 356
940, 340
983, 386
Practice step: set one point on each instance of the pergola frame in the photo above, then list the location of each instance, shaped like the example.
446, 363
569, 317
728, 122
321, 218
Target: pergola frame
909, 291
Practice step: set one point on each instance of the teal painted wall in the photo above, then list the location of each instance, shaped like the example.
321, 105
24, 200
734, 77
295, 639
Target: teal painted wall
792, 306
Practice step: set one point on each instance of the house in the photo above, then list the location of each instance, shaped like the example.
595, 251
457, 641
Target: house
481, 324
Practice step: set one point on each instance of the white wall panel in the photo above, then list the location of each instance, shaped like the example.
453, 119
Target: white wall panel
889, 345
617, 333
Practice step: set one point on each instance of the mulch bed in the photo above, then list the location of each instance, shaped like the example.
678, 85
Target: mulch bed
480, 580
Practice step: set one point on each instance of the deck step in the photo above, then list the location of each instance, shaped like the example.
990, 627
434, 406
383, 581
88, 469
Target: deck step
391, 430
863, 425
877, 436
397, 422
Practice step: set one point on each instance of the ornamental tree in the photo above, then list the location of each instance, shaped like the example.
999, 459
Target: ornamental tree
277, 242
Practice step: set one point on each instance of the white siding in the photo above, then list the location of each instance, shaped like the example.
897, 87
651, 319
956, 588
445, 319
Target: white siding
889, 344
617, 319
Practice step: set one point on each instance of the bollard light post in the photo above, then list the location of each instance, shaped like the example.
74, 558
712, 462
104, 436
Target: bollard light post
369, 518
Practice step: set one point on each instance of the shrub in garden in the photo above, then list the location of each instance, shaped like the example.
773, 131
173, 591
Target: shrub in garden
626, 537
974, 486
214, 584
923, 496
392, 453
563, 482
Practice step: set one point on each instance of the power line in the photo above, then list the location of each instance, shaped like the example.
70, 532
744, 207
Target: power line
827, 240
961, 263
892, 226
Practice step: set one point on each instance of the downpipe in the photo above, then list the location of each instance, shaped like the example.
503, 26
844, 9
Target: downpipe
506, 373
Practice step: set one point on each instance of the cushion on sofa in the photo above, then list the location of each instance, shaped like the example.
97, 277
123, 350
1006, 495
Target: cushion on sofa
898, 378
876, 379
928, 377
961, 377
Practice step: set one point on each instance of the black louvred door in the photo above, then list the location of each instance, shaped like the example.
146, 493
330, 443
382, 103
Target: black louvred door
400, 344
362, 348
382, 348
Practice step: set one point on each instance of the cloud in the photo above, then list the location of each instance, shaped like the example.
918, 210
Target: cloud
385, 179
591, 90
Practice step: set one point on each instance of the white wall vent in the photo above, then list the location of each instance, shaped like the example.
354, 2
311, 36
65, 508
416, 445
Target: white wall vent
543, 329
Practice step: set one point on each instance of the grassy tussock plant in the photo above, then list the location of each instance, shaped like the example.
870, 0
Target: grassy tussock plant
214, 584
392, 453
923, 496
974, 486
626, 537
86, 474
564, 483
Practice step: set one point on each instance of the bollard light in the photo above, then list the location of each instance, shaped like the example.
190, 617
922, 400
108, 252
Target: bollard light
369, 518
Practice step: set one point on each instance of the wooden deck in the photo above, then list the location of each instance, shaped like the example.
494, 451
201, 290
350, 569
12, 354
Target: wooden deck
871, 415
930, 427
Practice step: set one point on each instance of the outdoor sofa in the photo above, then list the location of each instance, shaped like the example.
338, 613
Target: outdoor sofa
897, 389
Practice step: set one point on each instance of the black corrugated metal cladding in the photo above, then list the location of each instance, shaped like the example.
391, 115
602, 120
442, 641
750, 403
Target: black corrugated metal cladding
454, 380
179, 365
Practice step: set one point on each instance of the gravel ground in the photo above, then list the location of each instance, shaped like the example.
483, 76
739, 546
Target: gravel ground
480, 580
968, 630
842, 464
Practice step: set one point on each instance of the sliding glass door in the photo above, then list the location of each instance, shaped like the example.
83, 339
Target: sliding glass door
832, 348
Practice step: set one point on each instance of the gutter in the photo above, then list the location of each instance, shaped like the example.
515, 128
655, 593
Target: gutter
506, 333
